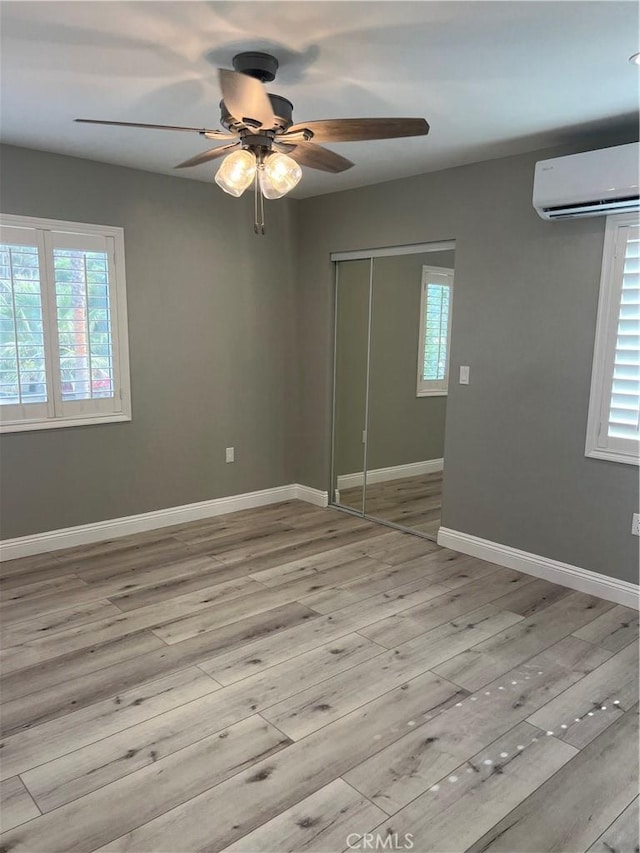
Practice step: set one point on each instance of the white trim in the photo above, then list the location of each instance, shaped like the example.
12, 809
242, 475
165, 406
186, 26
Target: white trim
613, 456
396, 472
574, 577
311, 496
56, 423
13, 220
388, 251
84, 534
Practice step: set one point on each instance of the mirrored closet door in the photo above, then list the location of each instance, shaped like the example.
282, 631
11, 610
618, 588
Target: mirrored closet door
350, 386
393, 328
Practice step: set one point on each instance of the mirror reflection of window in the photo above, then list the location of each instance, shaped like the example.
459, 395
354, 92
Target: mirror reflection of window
435, 331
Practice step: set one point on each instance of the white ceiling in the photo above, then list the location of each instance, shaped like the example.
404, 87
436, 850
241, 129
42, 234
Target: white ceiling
492, 78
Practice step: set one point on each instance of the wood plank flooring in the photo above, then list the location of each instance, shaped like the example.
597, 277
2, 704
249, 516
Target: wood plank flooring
412, 502
292, 678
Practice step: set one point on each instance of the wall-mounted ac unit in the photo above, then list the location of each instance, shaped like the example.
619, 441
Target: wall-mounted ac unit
596, 183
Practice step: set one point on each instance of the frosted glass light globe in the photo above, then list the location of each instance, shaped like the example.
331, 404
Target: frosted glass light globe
236, 172
278, 176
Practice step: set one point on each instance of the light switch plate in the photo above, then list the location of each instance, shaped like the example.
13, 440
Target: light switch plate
464, 374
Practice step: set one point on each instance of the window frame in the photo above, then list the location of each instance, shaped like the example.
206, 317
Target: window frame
70, 413
433, 387
598, 443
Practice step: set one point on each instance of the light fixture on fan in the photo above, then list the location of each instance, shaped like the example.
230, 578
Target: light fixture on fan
273, 175
277, 174
263, 145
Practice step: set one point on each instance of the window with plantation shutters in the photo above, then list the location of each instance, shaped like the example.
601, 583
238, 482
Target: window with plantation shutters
63, 325
435, 331
613, 430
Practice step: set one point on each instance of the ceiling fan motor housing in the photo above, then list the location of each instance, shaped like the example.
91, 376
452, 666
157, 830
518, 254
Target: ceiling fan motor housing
282, 110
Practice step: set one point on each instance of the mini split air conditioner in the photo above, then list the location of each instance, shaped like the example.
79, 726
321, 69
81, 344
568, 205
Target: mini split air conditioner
596, 183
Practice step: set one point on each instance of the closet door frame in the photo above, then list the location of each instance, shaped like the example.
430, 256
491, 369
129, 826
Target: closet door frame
333, 484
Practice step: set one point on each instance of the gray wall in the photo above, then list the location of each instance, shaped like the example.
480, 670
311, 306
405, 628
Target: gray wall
211, 346
524, 318
254, 363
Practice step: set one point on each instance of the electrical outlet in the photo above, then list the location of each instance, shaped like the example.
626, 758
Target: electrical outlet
230, 454
635, 524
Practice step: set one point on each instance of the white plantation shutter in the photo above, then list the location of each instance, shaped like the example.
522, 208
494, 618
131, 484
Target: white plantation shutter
63, 344
23, 343
435, 331
624, 409
85, 296
436, 338
613, 430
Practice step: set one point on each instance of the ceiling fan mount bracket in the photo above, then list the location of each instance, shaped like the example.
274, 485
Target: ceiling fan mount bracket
262, 66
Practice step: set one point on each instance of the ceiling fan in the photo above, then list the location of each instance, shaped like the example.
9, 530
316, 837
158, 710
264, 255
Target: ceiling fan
263, 145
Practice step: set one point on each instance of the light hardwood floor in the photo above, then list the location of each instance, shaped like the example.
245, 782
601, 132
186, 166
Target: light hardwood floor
292, 678
412, 502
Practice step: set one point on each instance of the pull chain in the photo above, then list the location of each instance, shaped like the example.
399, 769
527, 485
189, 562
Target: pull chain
258, 209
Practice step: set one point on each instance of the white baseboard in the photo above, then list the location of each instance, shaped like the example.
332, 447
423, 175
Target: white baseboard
396, 472
84, 534
311, 496
583, 580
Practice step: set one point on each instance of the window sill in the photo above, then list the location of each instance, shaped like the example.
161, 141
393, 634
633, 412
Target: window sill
612, 456
57, 423
432, 393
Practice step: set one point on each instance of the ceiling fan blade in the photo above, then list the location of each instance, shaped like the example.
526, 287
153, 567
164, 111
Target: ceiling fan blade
315, 157
246, 98
211, 154
211, 134
361, 129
